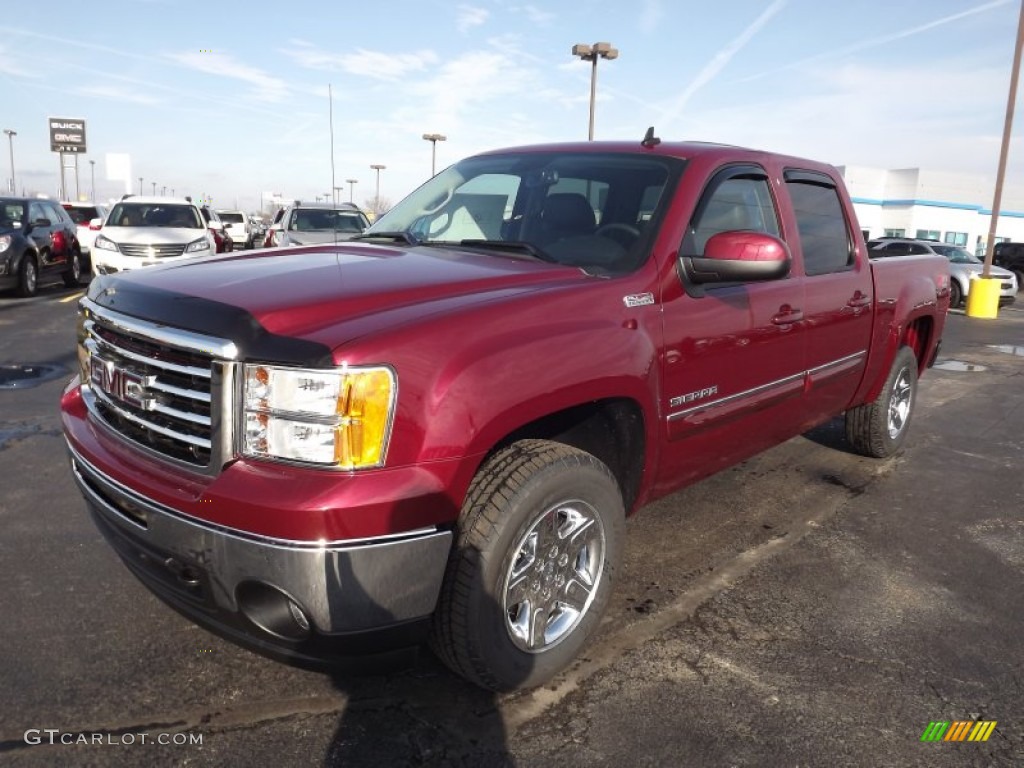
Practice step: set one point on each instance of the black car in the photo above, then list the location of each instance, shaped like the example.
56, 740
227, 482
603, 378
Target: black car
1010, 256
38, 244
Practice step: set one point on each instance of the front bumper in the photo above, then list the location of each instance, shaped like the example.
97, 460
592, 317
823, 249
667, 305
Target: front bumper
105, 261
307, 601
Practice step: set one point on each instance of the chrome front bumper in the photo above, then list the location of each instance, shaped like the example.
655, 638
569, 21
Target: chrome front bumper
278, 594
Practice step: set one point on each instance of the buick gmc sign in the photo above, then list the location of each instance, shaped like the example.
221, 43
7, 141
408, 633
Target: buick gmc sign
67, 134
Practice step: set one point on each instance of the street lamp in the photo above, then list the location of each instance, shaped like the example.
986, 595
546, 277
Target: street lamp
433, 138
154, 189
163, 191
376, 195
592, 54
92, 177
10, 141
351, 187
336, 191
140, 185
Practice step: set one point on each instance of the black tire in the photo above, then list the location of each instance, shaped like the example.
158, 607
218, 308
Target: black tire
1020, 279
28, 276
879, 428
474, 632
73, 275
956, 294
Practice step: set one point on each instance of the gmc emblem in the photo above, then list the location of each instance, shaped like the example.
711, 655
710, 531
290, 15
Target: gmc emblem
124, 386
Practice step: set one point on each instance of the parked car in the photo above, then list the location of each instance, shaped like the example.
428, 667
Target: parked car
238, 227
142, 231
1010, 256
438, 430
225, 243
38, 244
318, 223
83, 214
964, 266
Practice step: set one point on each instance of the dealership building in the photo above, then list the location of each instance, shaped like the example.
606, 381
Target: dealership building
916, 202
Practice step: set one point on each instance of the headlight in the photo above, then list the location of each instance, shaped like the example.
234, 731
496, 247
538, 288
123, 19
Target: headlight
336, 417
105, 243
202, 244
5, 242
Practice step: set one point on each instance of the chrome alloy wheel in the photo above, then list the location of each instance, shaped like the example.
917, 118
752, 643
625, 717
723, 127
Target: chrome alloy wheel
899, 403
554, 574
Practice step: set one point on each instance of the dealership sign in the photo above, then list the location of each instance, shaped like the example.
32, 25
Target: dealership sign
67, 134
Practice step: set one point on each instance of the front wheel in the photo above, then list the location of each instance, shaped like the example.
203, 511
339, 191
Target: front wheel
539, 543
878, 428
28, 276
956, 294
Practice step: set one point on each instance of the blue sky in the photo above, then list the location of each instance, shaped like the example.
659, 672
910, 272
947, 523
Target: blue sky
230, 100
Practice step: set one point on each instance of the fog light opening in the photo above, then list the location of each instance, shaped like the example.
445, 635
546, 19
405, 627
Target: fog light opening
273, 611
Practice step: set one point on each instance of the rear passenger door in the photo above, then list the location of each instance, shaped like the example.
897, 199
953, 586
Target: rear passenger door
838, 299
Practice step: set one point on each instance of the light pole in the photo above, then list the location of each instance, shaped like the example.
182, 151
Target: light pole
433, 138
10, 142
336, 191
351, 187
140, 185
592, 54
163, 191
92, 179
154, 189
376, 194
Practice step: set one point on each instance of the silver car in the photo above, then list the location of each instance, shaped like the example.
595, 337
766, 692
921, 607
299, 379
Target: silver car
964, 266
315, 224
143, 231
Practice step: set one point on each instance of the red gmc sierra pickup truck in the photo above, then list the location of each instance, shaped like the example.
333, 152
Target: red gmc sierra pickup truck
436, 431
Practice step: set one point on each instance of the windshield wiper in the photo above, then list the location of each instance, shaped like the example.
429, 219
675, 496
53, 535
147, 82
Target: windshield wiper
518, 246
397, 236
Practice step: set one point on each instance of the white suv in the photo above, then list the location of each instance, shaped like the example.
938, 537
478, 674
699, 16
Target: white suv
238, 227
143, 231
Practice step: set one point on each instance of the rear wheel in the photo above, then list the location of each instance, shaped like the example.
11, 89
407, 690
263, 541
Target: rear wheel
540, 539
878, 428
28, 276
73, 275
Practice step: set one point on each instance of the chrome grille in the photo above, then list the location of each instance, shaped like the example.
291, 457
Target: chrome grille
162, 251
156, 386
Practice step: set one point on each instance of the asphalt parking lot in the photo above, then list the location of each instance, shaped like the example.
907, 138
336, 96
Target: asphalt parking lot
809, 607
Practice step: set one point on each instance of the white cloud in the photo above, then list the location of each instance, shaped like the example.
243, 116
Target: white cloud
651, 14
115, 93
265, 87
720, 61
469, 16
536, 15
8, 67
374, 64
874, 42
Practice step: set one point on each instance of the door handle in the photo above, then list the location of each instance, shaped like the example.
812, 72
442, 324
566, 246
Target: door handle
788, 315
859, 300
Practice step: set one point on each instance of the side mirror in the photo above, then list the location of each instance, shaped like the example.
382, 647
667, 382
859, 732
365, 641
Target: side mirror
731, 257
96, 224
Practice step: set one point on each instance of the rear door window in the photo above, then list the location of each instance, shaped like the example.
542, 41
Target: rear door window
821, 222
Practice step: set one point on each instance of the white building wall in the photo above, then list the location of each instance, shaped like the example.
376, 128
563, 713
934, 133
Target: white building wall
937, 202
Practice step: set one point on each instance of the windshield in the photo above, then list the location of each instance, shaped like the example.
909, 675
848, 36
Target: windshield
129, 214
956, 254
326, 220
231, 218
587, 209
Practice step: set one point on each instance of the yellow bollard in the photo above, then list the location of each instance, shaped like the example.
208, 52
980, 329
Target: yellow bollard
983, 298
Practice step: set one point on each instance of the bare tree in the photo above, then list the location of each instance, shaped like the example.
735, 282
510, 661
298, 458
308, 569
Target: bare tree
378, 206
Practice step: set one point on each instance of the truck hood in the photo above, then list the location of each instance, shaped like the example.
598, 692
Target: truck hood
296, 292
153, 235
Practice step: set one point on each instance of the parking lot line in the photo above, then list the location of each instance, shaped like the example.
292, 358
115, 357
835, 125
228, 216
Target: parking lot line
72, 297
